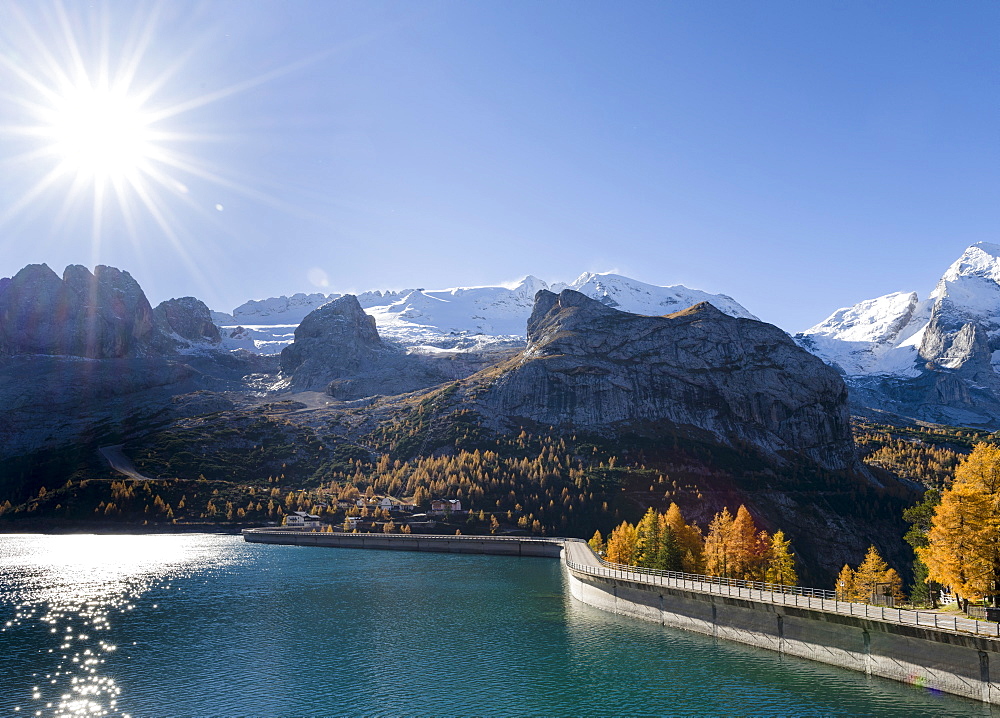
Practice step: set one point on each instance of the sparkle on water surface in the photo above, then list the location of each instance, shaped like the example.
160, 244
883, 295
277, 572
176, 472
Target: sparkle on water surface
190, 625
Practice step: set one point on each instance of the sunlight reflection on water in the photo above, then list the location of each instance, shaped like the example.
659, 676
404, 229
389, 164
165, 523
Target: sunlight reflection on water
192, 625
64, 590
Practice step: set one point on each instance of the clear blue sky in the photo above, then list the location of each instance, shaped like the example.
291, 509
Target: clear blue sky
796, 156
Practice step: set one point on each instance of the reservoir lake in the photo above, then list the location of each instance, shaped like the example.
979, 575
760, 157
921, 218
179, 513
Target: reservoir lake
207, 625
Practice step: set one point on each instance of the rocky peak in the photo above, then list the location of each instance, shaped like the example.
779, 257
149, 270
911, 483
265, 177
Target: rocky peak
188, 318
98, 315
333, 341
697, 372
556, 312
980, 260
934, 359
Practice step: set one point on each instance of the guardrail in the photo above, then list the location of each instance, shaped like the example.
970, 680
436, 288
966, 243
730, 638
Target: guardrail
812, 598
722, 581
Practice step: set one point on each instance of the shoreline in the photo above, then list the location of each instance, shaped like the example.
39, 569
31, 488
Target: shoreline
36, 527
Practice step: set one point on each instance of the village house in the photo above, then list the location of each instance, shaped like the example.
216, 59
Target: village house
442, 506
390, 503
302, 519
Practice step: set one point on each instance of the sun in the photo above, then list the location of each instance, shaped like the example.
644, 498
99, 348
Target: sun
100, 134
100, 123
91, 122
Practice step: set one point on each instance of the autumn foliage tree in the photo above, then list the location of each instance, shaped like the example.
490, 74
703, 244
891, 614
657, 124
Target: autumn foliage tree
689, 540
623, 545
780, 567
963, 544
735, 547
596, 543
871, 579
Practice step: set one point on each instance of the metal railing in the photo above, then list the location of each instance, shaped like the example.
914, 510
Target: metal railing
812, 598
722, 581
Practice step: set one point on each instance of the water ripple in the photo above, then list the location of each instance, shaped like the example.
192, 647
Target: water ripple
208, 625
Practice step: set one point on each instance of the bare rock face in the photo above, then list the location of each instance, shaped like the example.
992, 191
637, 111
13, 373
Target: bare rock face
189, 319
96, 315
337, 350
335, 341
699, 371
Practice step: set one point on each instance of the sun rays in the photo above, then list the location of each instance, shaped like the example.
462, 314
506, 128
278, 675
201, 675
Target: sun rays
98, 125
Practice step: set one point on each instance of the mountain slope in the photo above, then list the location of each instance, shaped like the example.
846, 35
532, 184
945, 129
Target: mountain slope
697, 373
934, 359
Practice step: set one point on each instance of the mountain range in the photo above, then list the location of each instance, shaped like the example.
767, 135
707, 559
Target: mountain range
668, 381
464, 318
905, 358
934, 359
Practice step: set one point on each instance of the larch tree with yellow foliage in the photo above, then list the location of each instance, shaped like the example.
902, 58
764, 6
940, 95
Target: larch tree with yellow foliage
781, 561
870, 574
735, 547
963, 549
623, 545
718, 545
689, 540
872, 579
596, 543
845, 584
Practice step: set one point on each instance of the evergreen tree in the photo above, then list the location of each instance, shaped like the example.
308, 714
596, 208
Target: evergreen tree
920, 517
668, 557
648, 532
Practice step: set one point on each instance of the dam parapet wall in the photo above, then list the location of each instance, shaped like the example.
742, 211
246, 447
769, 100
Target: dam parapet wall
492, 545
869, 639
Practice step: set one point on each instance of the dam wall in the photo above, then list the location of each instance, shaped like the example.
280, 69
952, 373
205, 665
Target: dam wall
493, 545
950, 661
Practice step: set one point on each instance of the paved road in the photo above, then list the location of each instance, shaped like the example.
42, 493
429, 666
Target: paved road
121, 463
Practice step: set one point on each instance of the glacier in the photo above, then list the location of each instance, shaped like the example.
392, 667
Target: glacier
455, 319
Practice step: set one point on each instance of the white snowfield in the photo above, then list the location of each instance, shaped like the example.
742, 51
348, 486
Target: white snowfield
459, 319
884, 335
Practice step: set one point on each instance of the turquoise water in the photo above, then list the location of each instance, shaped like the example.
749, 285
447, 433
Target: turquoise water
203, 625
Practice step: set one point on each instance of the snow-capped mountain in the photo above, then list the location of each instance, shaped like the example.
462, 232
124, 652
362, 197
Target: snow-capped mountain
937, 354
462, 318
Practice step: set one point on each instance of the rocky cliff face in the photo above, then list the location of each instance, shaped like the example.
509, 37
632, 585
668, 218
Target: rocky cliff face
697, 372
335, 341
96, 315
189, 320
337, 349
136, 357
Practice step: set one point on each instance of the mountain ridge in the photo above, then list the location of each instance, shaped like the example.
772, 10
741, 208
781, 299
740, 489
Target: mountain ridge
459, 318
935, 359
